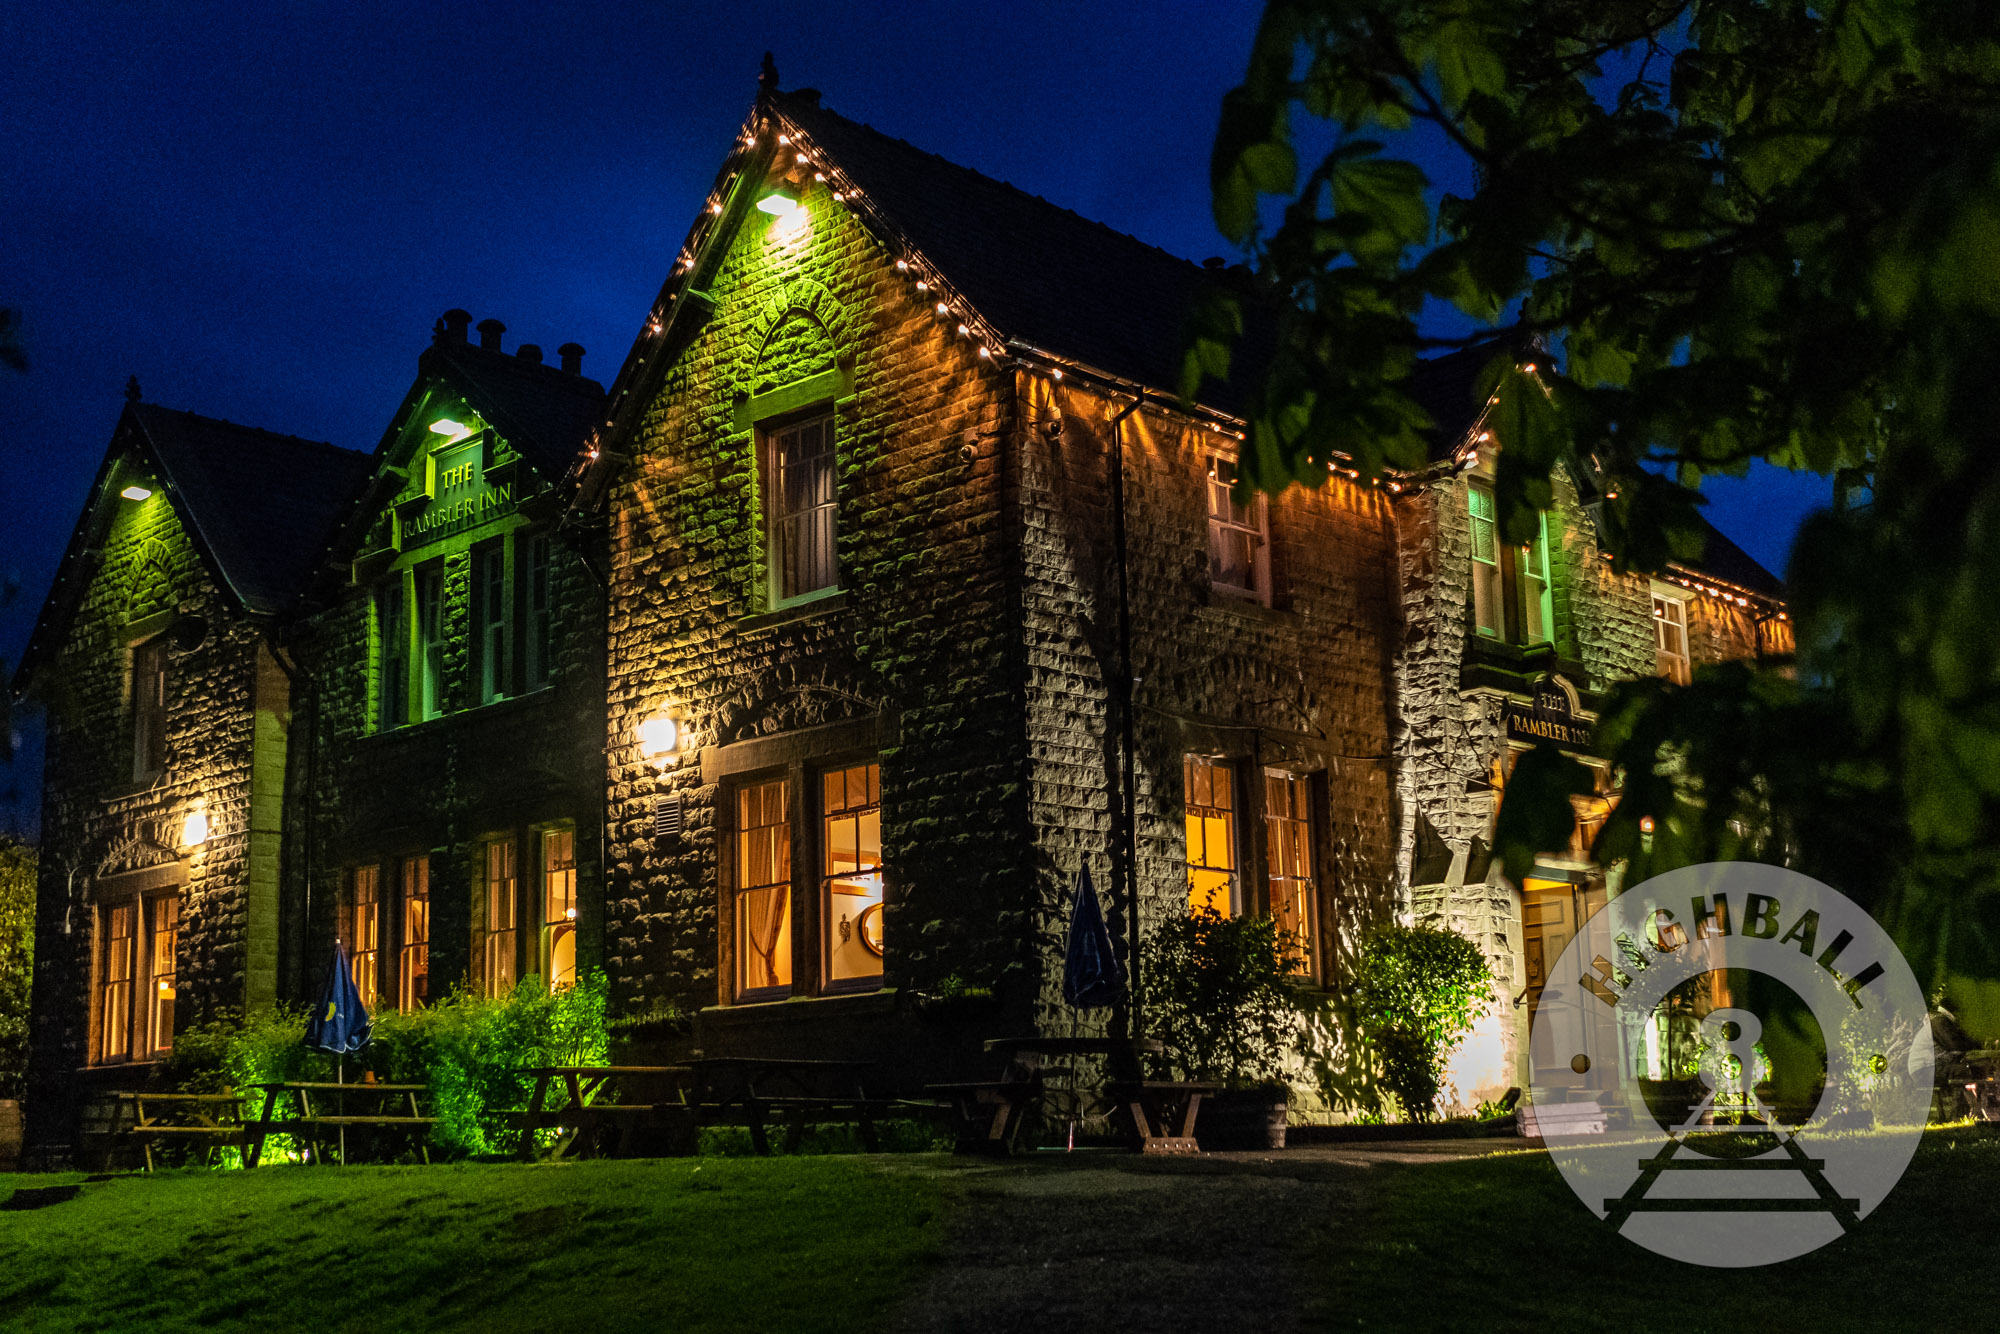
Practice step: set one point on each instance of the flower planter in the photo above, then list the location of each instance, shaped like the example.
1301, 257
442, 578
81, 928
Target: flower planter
1242, 1119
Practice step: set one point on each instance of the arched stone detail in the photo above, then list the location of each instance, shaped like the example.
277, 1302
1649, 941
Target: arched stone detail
1242, 686
799, 298
786, 702
150, 585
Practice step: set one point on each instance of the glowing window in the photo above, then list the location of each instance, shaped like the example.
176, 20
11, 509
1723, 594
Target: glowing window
414, 976
1209, 787
1288, 858
499, 906
851, 873
559, 907
761, 865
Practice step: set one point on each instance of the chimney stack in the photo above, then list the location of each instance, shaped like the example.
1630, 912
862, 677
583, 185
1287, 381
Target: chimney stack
528, 352
489, 334
452, 326
572, 358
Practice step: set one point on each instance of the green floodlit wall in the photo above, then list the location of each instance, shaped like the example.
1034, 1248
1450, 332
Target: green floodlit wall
443, 786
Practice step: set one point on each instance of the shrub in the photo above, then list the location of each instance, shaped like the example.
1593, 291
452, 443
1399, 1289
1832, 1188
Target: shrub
1417, 992
17, 961
469, 1051
1224, 995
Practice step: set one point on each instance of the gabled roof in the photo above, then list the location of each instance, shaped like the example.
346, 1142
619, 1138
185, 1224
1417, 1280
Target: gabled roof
544, 412
1724, 560
257, 505
1038, 272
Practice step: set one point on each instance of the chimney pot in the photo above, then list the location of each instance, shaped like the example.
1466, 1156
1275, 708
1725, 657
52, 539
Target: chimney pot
572, 358
455, 323
530, 353
489, 334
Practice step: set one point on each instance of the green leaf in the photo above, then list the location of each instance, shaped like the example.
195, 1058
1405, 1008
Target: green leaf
1535, 811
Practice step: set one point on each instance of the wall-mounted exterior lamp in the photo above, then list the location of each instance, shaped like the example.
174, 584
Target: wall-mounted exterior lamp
136, 492
452, 431
779, 203
194, 829
658, 735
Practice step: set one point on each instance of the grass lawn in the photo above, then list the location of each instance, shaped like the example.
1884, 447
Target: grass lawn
1501, 1243
789, 1243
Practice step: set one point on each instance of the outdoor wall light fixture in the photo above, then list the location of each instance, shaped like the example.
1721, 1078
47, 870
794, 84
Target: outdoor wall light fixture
135, 493
658, 735
779, 204
452, 431
194, 829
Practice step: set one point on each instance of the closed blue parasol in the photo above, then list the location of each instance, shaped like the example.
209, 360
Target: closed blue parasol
1092, 972
340, 1025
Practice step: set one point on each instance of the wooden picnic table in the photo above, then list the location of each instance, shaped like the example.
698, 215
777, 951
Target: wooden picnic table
590, 1122
988, 1114
310, 1124
186, 1117
755, 1086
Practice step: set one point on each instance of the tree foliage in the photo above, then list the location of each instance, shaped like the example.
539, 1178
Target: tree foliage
17, 962
1418, 992
1747, 229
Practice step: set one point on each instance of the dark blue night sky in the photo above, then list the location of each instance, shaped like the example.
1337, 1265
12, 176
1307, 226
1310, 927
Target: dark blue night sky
260, 210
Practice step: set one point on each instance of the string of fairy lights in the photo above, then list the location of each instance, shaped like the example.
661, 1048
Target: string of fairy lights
929, 287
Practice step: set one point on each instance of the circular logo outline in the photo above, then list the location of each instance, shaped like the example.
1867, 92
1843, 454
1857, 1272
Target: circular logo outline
1802, 1185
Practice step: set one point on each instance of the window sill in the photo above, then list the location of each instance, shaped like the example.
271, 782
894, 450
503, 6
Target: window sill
497, 708
876, 1000
1223, 602
805, 608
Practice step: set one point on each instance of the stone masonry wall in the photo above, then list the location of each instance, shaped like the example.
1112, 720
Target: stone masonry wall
916, 636
362, 795
98, 821
1303, 683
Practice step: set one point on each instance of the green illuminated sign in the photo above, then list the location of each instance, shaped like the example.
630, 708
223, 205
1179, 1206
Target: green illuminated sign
461, 497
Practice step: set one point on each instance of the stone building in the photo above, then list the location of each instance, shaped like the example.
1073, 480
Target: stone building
1498, 650
167, 687
909, 537
793, 680
448, 774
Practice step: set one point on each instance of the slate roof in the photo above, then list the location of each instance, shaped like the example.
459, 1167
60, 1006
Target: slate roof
258, 506
263, 504
544, 411
1037, 271
1726, 561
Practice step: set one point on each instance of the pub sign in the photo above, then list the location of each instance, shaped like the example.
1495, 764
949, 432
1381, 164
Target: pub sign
1555, 715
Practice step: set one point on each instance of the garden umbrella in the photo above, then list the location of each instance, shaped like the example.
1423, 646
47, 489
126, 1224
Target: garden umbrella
1092, 973
339, 1025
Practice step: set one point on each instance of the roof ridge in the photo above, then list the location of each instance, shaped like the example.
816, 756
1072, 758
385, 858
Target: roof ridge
1102, 226
240, 426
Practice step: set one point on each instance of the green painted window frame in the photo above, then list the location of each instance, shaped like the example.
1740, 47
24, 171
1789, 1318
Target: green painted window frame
392, 637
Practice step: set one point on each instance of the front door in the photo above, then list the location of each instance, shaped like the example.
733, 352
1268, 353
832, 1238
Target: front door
1577, 1052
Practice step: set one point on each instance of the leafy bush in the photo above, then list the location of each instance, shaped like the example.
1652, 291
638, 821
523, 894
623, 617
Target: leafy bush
1224, 995
1418, 992
17, 961
469, 1051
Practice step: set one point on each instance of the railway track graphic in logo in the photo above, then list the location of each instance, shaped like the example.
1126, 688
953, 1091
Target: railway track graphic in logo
1683, 988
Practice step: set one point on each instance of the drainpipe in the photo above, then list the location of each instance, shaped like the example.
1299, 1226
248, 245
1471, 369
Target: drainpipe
1122, 682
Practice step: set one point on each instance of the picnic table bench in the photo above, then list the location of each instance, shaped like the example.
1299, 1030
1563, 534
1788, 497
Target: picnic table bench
753, 1087
988, 1115
311, 1125
616, 1125
154, 1119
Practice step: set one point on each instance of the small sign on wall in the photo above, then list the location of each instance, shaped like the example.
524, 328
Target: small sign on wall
1555, 715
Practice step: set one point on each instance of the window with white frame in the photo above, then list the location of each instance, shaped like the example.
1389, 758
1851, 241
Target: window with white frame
1513, 596
498, 910
798, 493
559, 907
1670, 638
430, 639
1239, 536
492, 625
